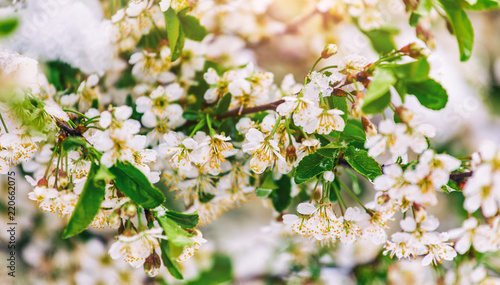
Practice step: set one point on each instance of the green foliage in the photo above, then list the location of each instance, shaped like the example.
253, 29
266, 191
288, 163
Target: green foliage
169, 262
62, 75
8, 26
378, 95
365, 165
312, 165
331, 150
133, 183
354, 133
480, 5
180, 26
281, 197
187, 221
89, 202
461, 25
429, 93
223, 105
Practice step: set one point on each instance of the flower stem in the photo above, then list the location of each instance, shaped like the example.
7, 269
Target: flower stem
3, 123
315, 63
328, 67
76, 112
349, 191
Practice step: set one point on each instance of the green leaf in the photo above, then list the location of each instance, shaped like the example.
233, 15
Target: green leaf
192, 28
323, 140
365, 165
429, 93
331, 150
312, 165
187, 221
416, 71
205, 197
424, 7
191, 115
170, 263
178, 237
133, 183
8, 26
341, 104
263, 193
281, 197
268, 182
178, 47
481, 5
353, 132
73, 143
173, 29
334, 190
88, 204
462, 27
382, 39
378, 95
223, 105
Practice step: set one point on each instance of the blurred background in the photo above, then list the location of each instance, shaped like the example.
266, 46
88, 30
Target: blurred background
246, 245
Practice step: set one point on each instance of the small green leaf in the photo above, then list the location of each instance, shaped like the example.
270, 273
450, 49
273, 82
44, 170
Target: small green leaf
73, 143
178, 237
382, 39
263, 193
416, 71
192, 28
462, 27
365, 165
187, 221
170, 263
133, 183
268, 181
335, 188
8, 26
88, 204
331, 150
323, 140
223, 105
424, 8
173, 28
429, 93
281, 197
205, 197
341, 104
378, 95
191, 115
312, 165
353, 131
178, 47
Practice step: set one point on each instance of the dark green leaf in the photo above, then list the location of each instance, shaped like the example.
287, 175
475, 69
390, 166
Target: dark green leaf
281, 197
187, 221
378, 95
173, 28
335, 188
73, 143
331, 150
353, 131
341, 104
323, 140
192, 28
205, 197
8, 26
191, 115
365, 165
134, 184
223, 105
88, 204
221, 272
462, 27
429, 93
170, 263
312, 165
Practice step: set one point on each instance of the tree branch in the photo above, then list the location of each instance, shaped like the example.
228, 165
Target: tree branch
240, 112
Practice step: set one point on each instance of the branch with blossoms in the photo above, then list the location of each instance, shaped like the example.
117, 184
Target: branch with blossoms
217, 133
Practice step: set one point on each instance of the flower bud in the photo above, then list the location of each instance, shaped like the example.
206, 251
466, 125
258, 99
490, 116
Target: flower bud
130, 210
416, 50
404, 114
291, 154
369, 127
329, 50
420, 212
329, 176
152, 265
43, 182
63, 179
114, 219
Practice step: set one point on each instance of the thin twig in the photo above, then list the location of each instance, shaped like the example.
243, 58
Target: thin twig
238, 112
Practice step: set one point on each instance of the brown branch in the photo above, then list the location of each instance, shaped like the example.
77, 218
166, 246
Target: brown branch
236, 112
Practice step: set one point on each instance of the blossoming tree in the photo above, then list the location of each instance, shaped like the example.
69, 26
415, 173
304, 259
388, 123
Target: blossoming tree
185, 113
